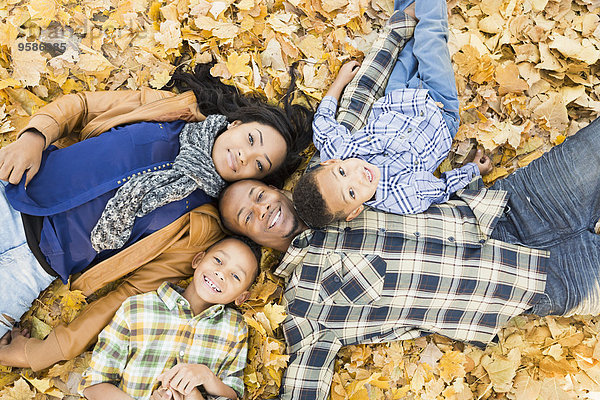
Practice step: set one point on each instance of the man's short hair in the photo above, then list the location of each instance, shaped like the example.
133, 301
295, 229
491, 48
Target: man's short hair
309, 202
220, 200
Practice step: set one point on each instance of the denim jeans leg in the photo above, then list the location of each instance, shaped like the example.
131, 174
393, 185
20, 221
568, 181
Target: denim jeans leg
554, 204
22, 278
433, 64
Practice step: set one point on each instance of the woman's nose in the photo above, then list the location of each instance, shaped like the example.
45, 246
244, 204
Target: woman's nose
242, 157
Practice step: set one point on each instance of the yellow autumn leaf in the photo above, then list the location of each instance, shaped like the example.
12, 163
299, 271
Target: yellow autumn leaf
451, 366
275, 313
237, 64
19, 391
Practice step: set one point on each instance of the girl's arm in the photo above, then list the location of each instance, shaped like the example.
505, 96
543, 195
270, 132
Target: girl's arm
105, 391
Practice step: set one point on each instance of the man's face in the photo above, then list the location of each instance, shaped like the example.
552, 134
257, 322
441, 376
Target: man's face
260, 212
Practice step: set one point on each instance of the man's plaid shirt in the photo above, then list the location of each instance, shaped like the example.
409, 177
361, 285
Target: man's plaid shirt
384, 277
152, 332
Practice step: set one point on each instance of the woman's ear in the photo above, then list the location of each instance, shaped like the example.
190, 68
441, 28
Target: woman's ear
329, 162
197, 258
234, 124
355, 213
242, 298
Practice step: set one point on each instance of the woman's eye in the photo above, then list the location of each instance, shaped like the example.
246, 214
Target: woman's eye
218, 260
342, 172
259, 166
351, 191
250, 139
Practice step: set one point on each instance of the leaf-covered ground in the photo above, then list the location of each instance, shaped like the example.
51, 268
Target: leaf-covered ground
527, 73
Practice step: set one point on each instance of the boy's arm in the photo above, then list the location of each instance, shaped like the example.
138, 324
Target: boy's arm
110, 355
424, 189
103, 391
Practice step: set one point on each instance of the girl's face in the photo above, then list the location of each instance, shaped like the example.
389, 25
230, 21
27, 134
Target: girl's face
248, 150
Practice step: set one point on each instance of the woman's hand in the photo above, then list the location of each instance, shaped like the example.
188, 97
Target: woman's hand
22, 157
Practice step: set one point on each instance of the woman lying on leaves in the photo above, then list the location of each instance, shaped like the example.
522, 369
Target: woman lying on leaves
134, 199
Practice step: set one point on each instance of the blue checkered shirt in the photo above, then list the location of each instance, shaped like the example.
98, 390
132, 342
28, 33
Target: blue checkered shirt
407, 138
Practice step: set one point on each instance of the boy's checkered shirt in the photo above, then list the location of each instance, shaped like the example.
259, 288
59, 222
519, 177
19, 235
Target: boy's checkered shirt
152, 332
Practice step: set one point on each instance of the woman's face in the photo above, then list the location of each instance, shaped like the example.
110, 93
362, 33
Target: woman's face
248, 150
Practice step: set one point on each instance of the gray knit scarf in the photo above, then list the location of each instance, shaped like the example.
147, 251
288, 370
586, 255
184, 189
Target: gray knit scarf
192, 169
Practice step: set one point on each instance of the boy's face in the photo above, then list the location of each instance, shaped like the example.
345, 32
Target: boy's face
224, 273
347, 184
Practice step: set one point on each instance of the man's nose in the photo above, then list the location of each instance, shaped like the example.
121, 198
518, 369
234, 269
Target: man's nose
261, 209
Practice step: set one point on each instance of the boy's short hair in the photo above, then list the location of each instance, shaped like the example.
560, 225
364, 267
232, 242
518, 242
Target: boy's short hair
309, 202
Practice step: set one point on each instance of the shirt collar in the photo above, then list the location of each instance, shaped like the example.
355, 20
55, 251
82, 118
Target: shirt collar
294, 254
171, 295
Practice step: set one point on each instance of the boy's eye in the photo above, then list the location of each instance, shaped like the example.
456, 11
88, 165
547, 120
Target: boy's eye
218, 260
236, 277
259, 166
342, 172
247, 218
250, 139
351, 192
260, 196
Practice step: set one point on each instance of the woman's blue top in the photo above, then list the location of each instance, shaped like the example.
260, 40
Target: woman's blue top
74, 184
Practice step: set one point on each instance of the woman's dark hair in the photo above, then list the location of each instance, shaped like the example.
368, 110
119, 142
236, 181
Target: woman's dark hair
293, 121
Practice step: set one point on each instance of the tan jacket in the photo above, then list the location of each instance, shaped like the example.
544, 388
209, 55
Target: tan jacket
165, 255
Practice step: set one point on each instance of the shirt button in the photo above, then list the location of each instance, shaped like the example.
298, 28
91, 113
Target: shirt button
381, 230
417, 234
410, 129
336, 279
181, 302
421, 113
451, 239
181, 353
370, 138
482, 241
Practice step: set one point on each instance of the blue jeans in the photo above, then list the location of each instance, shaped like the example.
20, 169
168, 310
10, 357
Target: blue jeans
424, 63
554, 204
22, 278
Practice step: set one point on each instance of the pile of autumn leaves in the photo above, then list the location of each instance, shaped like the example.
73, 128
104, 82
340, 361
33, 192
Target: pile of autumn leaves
527, 73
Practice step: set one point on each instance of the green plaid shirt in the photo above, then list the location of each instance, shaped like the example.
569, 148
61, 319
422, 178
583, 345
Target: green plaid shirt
384, 277
152, 332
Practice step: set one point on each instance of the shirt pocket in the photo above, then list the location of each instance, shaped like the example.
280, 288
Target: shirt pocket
352, 278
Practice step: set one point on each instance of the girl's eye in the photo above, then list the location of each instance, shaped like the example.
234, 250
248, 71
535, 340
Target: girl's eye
351, 191
218, 260
342, 172
259, 166
236, 277
250, 139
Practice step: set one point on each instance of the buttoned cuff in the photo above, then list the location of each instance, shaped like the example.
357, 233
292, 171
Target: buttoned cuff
41, 354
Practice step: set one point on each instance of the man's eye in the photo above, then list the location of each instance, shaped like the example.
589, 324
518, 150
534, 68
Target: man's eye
250, 139
342, 172
218, 260
259, 166
351, 191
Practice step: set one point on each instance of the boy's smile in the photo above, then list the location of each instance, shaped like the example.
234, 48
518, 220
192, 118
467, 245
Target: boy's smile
222, 274
347, 184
